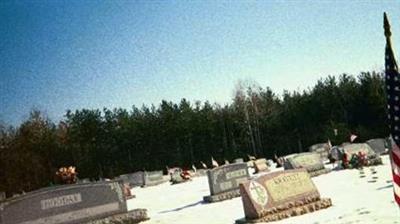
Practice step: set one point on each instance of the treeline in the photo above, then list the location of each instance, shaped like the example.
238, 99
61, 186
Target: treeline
106, 143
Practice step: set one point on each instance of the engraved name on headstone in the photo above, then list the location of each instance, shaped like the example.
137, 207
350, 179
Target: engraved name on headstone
225, 180
66, 204
278, 195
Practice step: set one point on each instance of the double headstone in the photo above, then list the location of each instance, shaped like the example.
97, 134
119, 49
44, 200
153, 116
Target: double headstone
279, 195
75, 203
224, 181
372, 157
310, 161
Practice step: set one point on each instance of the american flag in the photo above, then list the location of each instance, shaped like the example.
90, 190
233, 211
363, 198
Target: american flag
393, 97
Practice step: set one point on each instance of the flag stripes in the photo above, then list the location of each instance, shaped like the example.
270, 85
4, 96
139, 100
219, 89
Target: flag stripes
393, 99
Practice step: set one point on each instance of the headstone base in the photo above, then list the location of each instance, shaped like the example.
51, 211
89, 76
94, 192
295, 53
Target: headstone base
292, 209
319, 172
222, 196
131, 217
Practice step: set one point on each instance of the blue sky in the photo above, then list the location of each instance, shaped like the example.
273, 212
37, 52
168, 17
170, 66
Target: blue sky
59, 55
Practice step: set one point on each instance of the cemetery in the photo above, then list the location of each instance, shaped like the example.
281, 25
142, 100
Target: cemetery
281, 152
249, 198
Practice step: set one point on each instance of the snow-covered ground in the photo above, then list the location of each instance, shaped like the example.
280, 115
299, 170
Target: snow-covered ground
354, 199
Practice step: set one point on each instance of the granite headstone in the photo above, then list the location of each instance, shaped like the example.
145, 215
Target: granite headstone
133, 179
152, 178
372, 157
261, 165
66, 204
311, 161
279, 195
379, 145
322, 149
224, 181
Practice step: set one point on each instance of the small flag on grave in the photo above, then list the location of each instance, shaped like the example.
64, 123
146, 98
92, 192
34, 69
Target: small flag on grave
213, 162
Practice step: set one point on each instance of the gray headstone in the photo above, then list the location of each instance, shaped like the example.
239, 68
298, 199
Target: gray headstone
153, 178
227, 177
133, 179
372, 157
176, 177
65, 204
357, 147
322, 149
378, 145
311, 161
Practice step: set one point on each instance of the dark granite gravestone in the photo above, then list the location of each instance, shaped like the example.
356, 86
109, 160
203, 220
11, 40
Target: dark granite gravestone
152, 178
322, 149
133, 179
379, 145
311, 161
74, 203
224, 181
279, 195
260, 165
372, 157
